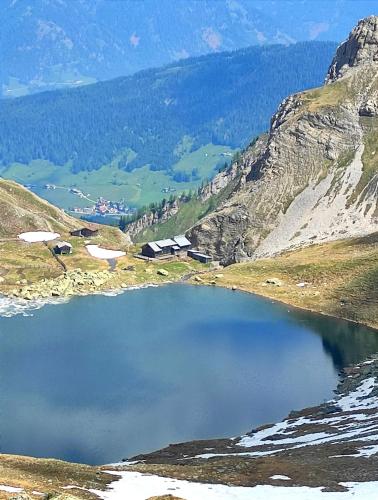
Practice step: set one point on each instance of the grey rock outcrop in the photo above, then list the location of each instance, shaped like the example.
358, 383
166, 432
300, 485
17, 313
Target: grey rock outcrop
152, 218
73, 282
360, 48
236, 173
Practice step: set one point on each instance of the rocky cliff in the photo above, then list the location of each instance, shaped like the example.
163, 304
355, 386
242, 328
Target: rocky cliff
185, 211
151, 218
317, 178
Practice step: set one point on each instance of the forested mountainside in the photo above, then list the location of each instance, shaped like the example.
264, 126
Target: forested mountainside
317, 178
51, 43
157, 116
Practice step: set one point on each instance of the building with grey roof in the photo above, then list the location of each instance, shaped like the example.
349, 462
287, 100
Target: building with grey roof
169, 246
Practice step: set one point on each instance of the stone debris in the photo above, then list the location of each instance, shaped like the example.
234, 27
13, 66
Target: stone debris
162, 272
70, 283
274, 281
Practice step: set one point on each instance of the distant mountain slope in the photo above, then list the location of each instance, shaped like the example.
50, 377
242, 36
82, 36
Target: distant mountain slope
158, 117
50, 43
317, 178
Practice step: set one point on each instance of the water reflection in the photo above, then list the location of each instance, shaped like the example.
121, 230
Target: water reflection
101, 378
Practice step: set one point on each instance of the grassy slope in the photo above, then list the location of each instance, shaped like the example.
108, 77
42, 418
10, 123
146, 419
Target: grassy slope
49, 476
342, 277
20, 210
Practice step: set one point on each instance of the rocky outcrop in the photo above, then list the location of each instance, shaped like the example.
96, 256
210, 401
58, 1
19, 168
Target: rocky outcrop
74, 282
238, 170
153, 217
360, 48
316, 180
217, 188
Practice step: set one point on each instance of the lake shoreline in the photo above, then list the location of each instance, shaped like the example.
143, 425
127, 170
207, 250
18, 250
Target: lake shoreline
371, 326
83, 283
225, 461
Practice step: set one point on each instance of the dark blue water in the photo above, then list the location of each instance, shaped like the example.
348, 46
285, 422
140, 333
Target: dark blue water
101, 378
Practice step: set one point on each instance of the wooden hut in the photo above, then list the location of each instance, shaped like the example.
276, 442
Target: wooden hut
182, 243
63, 248
84, 232
152, 250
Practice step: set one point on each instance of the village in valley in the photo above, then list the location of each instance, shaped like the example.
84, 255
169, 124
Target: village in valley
100, 206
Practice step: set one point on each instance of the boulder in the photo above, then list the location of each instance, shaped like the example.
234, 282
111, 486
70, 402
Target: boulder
162, 272
369, 108
274, 281
129, 268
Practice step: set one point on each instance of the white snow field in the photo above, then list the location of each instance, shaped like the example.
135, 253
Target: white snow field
103, 253
137, 486
38, 236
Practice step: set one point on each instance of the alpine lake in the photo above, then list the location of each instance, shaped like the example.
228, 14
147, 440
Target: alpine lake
101, 378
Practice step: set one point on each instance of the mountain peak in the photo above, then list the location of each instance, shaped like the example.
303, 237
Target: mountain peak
361, 47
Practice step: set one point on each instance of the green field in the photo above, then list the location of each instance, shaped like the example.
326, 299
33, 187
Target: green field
58, 77
139, 187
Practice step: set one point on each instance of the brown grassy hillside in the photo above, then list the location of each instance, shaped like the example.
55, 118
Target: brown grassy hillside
341, 278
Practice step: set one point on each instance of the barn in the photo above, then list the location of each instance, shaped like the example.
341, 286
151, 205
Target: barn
169, 246
63, 248
201, 257
84, 232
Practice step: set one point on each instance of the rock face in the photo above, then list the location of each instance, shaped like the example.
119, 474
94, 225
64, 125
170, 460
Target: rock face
152, 218
360, 48
236, 173
317, 178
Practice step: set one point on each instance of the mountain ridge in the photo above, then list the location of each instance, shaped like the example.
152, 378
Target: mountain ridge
317, 178
48, 44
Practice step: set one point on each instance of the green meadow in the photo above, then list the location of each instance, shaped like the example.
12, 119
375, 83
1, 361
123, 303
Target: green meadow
139, 187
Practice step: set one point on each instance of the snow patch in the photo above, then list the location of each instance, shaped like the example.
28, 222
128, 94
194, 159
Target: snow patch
358, 398
137, 486
10, 489
103, 253
38, 236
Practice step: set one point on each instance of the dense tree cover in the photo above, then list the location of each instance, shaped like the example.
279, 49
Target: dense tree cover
224, 98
